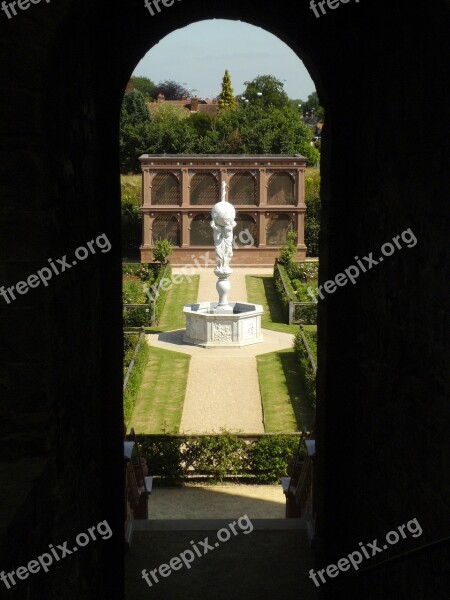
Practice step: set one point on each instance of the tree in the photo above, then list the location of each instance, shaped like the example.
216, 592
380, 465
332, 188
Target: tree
168, 113
134, 109
135, 121
289, 249
312, 106
227, 99
133, 142
143, 85
171, 90
312, 216
161, 250
253, 129
171, 137
266, 90
131, 220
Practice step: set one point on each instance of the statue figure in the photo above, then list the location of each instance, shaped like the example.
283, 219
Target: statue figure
223, 214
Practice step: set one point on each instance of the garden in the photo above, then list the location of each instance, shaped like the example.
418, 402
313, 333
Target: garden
142, 285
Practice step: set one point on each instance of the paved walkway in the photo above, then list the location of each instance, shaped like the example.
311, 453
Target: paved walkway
223, 388
207, 286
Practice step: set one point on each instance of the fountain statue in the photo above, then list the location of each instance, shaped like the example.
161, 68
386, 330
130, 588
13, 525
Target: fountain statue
223, 324
223, 214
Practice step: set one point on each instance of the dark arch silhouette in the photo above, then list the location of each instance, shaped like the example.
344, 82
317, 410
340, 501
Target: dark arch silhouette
378, 68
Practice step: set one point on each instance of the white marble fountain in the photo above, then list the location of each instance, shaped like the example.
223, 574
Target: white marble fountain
223, 324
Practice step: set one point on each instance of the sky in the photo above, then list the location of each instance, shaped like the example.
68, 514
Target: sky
197, 56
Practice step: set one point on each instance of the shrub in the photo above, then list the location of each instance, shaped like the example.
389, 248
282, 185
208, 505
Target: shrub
164, 457
284, 295
145, 272
166, 273
306, 314
269, 456
132, 290
305, 272
216, 456
289, 249
161, 250
129, 342
131, 217
137, 316
308, 377
312, 216
139, 284
134, 381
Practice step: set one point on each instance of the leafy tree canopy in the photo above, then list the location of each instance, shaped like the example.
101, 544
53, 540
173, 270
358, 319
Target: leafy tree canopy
313, 105
167, 113
143, 85
258, 127
266, 90
135, 121
171, 90
202, 123
134, 109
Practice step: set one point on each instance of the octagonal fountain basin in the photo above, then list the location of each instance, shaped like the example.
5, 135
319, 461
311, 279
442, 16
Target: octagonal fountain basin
212, 326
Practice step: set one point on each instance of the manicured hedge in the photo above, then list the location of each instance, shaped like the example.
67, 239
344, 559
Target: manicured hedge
166, 273
285, 297
135, 379
173, 459
307, 373
305, 313
297, 277
129, 343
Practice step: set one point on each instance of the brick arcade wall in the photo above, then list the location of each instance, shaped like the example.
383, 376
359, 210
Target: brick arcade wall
382, 437
242, 257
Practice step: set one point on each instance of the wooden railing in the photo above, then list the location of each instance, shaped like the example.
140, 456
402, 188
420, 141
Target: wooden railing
300, 492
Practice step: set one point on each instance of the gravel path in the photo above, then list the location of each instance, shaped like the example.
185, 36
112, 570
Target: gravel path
222, 393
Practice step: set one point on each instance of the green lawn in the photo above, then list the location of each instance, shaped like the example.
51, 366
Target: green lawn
181, 293
261, 290
172, 316
281, 392
160, 400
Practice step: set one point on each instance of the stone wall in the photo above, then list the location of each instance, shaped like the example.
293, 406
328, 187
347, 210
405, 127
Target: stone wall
241, 257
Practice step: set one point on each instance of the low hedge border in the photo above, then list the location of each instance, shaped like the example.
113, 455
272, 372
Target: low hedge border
285, 290
216, 458
164, 273
305, 313
307, 370
135, 378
